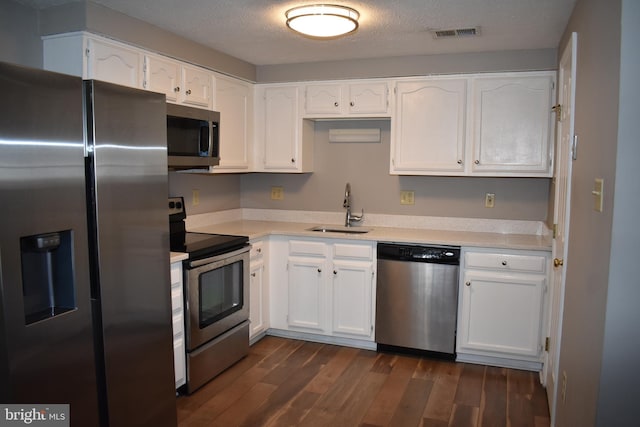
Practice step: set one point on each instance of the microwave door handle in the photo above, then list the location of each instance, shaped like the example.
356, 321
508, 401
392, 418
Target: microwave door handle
204, 140
214, 137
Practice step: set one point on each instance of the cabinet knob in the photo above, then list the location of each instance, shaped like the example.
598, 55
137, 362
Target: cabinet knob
319, 270
504, 263
459, 162
557, 262
253, 274
188, 92
335, 104
293, 160
352, 103
477, 162
468, 283
176, 89
259, 250
335, 272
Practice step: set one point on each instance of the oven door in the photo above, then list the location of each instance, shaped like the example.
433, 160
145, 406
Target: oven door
217, 294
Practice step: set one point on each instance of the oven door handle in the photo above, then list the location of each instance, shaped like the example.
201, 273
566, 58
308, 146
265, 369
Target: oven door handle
199, 262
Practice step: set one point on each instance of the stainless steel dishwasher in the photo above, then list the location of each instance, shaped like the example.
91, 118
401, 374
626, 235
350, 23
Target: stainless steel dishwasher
417, 297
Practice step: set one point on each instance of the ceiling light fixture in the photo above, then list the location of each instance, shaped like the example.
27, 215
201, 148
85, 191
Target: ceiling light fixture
322, 20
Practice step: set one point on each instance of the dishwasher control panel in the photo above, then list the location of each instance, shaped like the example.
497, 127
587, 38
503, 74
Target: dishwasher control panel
419, 253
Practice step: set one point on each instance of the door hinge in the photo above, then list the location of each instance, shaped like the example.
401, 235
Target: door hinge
558, 110
555, 230
547, 343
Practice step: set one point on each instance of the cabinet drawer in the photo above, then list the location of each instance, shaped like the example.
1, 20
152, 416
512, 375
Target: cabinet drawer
176, 298
178, 327
176, 273
507, 262
257, 249
346, 250
306, 247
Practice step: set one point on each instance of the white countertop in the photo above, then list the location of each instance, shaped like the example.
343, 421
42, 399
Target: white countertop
258, 229
177, 257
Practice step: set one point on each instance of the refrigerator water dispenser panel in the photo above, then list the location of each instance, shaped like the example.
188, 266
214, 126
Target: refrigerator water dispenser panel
48, 282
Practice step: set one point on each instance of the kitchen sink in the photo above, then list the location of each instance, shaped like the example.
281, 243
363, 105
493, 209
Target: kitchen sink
339, 229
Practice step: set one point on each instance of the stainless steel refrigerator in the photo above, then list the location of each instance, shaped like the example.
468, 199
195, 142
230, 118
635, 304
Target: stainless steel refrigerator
84, 250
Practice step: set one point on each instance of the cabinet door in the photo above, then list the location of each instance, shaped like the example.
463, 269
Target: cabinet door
162, 75
368, 99
429, 130
257, 298
281, 128
114, 63
501, 313
324, 99
233, 101
512, 125
198, 87
352, 293
307, 294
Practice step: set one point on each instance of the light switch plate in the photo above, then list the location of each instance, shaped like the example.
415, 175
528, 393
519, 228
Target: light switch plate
489, 200
277, 193
407, 197
598, 189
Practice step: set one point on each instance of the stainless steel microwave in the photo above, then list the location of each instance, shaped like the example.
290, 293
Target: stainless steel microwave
193, 137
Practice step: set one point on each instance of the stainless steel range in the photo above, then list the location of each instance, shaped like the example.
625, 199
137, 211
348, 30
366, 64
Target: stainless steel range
216, 289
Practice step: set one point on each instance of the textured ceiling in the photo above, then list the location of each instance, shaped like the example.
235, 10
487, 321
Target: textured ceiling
255, 31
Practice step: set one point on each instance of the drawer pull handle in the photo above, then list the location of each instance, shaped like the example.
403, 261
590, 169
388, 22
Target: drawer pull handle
504, 263
176, 89
188, 92
468, 283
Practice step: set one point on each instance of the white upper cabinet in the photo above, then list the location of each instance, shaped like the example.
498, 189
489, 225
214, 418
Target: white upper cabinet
93, 57
114, 63
474, 125
162, 75
234, 101
286, 141
512, 125
198, 87
429, 127
333, 100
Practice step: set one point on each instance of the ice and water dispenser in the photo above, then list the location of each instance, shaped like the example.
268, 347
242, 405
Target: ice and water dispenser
47, 275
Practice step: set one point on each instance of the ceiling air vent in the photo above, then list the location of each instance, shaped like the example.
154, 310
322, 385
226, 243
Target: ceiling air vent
456, 32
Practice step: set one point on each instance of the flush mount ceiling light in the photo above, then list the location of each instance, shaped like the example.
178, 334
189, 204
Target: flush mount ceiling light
322, 20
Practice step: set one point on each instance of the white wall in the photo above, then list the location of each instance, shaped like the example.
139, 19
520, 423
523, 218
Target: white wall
619, 378
19, 38
597, 23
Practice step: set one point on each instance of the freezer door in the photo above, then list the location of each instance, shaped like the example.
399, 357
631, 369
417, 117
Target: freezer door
46, 341
130, 188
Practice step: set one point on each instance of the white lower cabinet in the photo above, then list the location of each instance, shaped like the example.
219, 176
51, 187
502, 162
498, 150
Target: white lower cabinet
500, 316
258, 290
329, 288
177, 308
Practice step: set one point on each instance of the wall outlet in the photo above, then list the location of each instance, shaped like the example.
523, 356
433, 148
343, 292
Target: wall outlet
195, 197
489, 200
277, 193
407, 197
563, 387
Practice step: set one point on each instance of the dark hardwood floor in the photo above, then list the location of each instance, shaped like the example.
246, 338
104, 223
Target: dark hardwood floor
286, 382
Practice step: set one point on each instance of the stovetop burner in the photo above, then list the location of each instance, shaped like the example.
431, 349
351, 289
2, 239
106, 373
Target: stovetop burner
198, 245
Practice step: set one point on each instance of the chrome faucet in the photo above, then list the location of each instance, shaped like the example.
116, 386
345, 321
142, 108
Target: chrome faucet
347, 205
